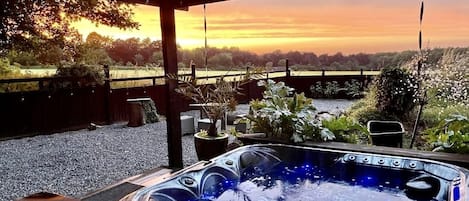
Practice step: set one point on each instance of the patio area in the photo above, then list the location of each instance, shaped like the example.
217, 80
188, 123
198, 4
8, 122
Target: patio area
79, 162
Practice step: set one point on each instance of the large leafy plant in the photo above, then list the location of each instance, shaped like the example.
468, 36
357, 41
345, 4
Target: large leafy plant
347, 129
286, 115
451, 135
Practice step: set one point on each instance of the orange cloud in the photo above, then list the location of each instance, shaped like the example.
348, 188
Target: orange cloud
347, 26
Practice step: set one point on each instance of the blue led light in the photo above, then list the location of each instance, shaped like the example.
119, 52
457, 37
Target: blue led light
456, 193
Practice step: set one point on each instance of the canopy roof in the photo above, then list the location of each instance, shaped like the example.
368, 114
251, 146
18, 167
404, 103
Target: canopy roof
177, 3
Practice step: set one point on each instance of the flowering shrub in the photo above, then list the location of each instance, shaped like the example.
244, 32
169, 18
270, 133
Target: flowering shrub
451, 78
447, 81
396, 91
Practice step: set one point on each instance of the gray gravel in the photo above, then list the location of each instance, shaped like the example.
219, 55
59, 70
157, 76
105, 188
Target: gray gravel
78, 162
75, 163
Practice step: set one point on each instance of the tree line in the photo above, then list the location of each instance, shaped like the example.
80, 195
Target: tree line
134, 52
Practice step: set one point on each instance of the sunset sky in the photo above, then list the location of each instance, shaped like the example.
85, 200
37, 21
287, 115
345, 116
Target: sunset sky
320, 26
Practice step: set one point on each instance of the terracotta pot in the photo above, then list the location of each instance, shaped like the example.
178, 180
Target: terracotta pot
209, 147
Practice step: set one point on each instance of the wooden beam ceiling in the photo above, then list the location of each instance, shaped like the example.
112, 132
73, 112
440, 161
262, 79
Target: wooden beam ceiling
177, 3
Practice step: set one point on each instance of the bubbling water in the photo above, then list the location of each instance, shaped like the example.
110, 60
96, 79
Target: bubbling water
307, 191
307, 182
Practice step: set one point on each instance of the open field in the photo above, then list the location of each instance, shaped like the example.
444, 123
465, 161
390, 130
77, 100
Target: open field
200, 73
144, 72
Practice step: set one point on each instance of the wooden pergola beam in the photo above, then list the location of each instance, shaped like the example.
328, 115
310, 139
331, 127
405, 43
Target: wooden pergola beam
174, 3
173, 122
173, 100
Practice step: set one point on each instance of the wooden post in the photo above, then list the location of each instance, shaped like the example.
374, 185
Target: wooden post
361, 71
248, 85
193, 70
41, 85
323, 73
173, 103
107, 94
287, 69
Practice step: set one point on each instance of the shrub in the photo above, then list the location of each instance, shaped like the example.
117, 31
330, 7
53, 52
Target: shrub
365, 109
433, 114
317, 90
286, 115
396, 91
80, 76
5, 68
450, 135
348, 130
23, 58
353, 88
8, 71
332, 89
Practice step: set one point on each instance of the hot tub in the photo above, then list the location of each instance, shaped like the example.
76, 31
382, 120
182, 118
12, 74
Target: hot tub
282, 172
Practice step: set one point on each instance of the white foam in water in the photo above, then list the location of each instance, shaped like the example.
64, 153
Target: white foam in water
307, 191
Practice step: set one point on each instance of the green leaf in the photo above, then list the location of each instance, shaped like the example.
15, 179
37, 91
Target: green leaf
327, 135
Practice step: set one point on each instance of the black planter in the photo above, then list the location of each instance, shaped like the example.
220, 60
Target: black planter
209, 147
386, 133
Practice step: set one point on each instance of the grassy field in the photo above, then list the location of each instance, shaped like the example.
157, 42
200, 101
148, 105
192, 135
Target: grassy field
144, 72
147, 72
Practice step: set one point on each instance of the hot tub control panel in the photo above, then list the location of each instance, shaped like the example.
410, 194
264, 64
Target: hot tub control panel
432, 180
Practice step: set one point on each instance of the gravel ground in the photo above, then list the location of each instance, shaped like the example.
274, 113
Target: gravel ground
78, 162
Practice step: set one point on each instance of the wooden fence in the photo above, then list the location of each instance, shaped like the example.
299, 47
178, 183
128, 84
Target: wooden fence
46, 111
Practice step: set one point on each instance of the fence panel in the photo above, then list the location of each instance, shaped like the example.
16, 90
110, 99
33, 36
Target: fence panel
45, 111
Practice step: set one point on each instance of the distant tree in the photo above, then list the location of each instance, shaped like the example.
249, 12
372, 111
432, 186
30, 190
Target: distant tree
181, 65
27, 22
337, 66
338, 57
138, 58
310, 59
94, 57
294, 57
361, 58
148, 47
124, 50
221, 60
282, 62
52, 56
25, 58
157, 58
324, 60
274, 57
97, 41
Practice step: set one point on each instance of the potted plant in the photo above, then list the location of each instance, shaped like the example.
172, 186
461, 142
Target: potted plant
215, 100
242, 125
